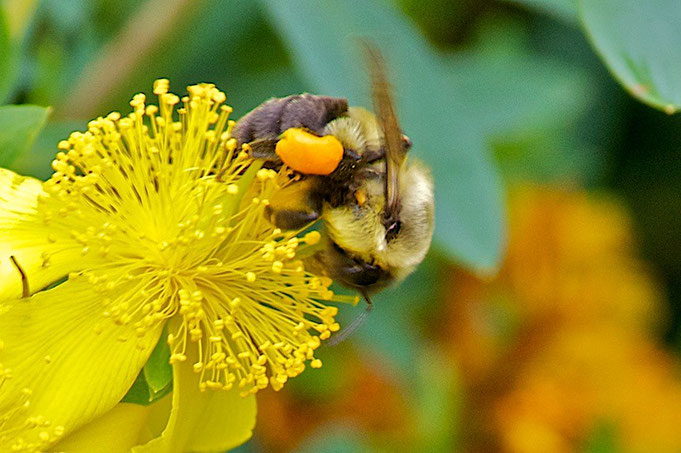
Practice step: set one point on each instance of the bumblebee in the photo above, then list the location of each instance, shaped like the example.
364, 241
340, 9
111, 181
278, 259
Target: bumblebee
352, 173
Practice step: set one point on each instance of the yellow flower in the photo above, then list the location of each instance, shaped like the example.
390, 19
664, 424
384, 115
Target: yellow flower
156, 222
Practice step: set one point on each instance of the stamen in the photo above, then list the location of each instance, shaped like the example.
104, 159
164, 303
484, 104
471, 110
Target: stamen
169, 218
25, 291
15, 426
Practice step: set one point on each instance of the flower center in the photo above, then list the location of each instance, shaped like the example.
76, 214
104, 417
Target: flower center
169, 218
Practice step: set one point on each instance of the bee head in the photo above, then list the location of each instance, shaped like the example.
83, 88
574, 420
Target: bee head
395, 245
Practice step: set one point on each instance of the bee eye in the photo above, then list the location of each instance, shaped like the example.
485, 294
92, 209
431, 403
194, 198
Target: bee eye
392, 230
406, 143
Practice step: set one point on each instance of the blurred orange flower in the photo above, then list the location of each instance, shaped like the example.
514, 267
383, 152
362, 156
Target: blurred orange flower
559, 351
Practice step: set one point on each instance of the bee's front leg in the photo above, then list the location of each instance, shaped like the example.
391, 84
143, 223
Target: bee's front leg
293, 207
264, 148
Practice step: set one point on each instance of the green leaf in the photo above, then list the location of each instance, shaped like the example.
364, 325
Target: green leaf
525, 103
19, 15
139, 392
335, 438
9, 61
323, 41
36, 162
155, 380
19, 127
565, 10
641, 45
323, 384
603, 439
507, 88
439, 400
548, 158
158, 372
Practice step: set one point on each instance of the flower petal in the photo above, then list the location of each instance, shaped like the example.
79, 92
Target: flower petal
45, 254
212, 420
117, 431
76, 362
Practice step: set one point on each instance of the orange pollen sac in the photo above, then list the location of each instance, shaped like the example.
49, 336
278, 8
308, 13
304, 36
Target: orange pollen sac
309, 154
361, 197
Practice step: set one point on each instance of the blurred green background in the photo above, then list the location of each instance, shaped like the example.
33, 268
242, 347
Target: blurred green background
547, 316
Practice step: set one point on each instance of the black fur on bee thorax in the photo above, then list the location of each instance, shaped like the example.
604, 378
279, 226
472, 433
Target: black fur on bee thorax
340, 185
262, 127
333, 192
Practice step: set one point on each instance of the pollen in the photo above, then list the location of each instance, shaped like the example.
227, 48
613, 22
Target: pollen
308, 153
170, 222
16, 427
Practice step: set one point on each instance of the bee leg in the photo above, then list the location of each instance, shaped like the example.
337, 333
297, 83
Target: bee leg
360, 274
353, 272
373, 155
354, 325
264, 148
293, 207
291, 219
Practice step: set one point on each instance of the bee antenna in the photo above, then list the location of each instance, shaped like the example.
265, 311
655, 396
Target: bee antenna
354, 325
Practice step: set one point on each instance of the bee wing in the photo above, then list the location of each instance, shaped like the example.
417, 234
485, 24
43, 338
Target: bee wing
383, 107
